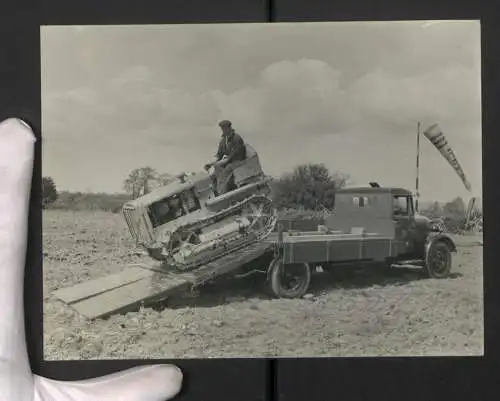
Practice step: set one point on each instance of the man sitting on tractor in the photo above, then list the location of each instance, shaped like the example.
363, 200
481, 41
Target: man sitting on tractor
231, 149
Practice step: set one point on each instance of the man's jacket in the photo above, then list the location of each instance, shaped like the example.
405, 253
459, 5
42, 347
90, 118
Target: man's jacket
233, 147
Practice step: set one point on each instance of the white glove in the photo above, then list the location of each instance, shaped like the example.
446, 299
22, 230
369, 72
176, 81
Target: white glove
17, 382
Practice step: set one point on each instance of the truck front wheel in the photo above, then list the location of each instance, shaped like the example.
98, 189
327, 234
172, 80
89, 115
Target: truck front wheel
438, 260
288, 280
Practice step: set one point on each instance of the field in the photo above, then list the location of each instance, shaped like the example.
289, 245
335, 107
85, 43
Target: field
346, 313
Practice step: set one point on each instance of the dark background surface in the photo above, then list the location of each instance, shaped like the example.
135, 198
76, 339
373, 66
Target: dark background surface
258, 379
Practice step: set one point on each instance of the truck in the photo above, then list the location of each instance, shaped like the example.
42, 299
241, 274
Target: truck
369, 225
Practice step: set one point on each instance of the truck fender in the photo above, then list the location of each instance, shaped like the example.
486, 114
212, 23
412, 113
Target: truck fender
276, 259
439, 237
278, 252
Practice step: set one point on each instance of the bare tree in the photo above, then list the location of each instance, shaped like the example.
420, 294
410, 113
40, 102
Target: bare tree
139, 181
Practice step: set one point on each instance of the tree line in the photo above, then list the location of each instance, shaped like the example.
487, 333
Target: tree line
308, 187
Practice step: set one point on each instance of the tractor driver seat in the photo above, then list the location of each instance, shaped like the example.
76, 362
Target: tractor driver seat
248, 170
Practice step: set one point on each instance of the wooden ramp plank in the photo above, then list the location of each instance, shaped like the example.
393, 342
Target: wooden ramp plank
97, 286
129, 296
158, 284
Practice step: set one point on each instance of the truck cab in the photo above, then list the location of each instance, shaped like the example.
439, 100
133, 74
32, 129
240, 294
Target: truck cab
386, 211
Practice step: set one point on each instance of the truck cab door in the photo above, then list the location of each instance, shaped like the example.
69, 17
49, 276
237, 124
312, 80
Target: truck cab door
403, 215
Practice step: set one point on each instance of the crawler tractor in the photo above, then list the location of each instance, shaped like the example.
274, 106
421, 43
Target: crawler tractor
186, 224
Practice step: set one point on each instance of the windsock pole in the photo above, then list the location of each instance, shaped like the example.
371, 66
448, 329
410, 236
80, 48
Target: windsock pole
417, 194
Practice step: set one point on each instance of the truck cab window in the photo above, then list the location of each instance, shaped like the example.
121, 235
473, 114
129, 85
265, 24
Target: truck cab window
360, 201
401, 206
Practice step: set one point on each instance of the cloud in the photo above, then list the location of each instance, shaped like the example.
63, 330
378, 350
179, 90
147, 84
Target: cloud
290, 97
287, 98
450, 95
305, 97
331, 92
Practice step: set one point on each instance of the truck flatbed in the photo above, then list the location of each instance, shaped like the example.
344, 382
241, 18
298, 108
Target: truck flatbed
317, 247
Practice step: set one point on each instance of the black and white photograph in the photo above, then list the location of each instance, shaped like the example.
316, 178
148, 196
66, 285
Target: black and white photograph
262, 190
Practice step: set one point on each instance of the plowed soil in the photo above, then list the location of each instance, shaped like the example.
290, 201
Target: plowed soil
363, 312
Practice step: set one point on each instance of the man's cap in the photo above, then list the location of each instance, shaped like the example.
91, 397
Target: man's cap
224, 123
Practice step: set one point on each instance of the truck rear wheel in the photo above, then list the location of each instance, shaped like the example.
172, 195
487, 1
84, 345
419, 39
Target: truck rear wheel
289, 280
438, 261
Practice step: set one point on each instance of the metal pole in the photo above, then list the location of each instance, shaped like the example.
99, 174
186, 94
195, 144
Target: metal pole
418, 169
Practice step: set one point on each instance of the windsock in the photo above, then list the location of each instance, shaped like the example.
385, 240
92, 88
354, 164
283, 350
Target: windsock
437, 138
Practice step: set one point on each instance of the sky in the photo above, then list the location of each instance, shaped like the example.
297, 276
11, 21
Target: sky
346, 94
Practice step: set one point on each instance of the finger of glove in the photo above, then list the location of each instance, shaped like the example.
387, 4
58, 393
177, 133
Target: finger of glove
16, 163
16, 381
150, 383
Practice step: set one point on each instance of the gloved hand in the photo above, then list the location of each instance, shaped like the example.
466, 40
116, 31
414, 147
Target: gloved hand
17, 383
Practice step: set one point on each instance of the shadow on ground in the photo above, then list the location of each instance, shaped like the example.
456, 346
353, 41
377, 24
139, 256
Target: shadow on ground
236, 290
340, 277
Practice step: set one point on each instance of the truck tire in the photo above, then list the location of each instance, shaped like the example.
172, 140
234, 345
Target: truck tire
280, 276
438, 261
